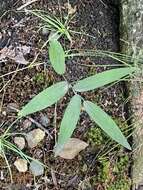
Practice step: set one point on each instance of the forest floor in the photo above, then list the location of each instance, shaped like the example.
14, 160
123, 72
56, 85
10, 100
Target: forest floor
102, 165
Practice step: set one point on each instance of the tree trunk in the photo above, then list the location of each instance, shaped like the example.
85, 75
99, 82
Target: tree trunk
132, 34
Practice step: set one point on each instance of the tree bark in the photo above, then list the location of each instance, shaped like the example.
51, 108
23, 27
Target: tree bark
132, 34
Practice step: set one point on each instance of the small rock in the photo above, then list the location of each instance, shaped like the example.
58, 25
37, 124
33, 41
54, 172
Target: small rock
20, 142
3, 113
36, 168
21, 165
84, 168
45, 31
27, 123
25, 49
44, 120
38, 153
34, 137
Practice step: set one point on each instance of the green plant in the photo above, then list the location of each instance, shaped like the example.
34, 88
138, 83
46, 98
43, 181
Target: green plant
104, 171
57, 29
52, 23
52, 94
95, 136
39, 78
122, 184
55, 92
57, 55
120, 169
6, 146
113, 173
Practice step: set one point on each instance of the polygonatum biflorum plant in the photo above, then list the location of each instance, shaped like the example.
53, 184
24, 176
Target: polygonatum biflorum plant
54, 93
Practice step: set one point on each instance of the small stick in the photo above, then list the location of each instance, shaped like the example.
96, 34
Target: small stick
54, 178
39, 125
35, 122
26, 4
103, 3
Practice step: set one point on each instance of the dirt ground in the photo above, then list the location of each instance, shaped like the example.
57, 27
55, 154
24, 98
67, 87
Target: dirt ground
88, 171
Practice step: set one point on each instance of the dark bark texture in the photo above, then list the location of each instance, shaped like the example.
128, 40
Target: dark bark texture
132, 35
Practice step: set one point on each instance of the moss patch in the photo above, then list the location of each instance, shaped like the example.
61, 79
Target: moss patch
113, 167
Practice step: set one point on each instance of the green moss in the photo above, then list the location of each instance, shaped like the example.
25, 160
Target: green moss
104, 171
43, 79
122, 184
121, 164
123, 125
112, 170
113, 174
95, 136
39, 78
92, 71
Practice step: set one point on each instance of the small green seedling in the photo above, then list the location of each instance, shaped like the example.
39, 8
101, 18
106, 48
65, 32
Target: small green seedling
57, 29
57, 55
52, 23
54, 93
6, 145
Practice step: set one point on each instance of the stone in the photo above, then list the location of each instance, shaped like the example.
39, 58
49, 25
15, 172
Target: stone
27, 123
20, 142
34, 137
44, 120
21, 165
36, 168
45, 31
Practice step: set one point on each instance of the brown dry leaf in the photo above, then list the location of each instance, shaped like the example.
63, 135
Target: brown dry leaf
72, 148
9, 52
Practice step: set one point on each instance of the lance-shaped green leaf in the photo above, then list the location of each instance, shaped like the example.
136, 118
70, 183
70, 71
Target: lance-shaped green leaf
106, 123
101, 79
45, 98
69, 122
57, 56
